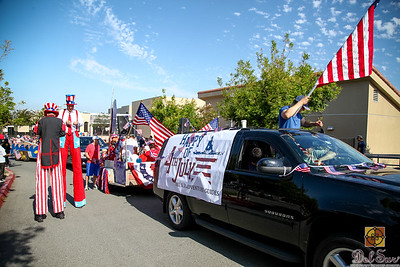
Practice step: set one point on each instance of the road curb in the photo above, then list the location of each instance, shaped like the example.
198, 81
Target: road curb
5, 187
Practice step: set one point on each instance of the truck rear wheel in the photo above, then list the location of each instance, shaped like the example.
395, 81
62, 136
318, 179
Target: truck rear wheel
179, 214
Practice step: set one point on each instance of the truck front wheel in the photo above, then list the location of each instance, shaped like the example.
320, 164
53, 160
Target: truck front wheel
339, 250
179, 214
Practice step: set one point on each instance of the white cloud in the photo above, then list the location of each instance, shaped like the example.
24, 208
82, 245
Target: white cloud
332, 19
317, 3
305, 43
334, 12
298, 33
93, 6
123, 34
286, 8
320, 22
329, 33
398, 59
350, 17
94, 70
320, 45
349, 27
262, 13
388, 28
353, 2
396, 4
302, 19
237, 14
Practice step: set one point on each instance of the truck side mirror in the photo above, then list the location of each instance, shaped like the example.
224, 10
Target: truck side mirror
272, 166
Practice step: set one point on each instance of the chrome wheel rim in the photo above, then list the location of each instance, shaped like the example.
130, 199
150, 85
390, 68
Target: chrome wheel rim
339, 257
175, 209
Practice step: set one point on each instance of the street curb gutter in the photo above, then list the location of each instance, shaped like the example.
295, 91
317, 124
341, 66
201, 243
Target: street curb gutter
5, 187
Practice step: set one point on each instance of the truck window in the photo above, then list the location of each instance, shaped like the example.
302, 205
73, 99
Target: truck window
254, 150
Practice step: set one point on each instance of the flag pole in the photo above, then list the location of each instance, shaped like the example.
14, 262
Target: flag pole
312, 90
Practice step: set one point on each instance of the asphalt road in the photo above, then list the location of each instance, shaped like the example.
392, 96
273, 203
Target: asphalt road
124, 228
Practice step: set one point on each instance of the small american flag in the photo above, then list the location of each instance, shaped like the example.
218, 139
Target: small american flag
354, 168
212, 125
331, 170
354, 58
144, 117
302, 168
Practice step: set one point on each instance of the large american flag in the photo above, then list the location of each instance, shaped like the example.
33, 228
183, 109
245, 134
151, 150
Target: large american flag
144, 117
354, 58
212, 125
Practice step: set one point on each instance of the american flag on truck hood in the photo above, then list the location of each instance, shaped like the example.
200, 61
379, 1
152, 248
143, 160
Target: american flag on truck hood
144, 117
354, 58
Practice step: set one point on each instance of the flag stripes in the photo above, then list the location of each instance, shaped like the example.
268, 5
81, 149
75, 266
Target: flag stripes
161, 133
354, 58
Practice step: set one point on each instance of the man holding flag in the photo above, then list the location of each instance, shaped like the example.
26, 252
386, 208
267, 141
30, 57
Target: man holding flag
288, 118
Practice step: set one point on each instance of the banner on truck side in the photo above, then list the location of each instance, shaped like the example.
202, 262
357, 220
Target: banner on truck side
194, 164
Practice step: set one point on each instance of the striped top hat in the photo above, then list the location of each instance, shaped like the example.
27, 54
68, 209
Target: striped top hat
50, 107
70, 99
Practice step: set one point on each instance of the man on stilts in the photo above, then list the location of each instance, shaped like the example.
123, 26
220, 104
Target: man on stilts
49, 164
73, 120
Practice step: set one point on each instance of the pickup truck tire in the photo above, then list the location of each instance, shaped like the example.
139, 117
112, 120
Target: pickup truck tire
179, 214
337, 251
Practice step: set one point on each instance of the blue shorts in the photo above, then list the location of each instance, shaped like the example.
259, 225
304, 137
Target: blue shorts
92, 169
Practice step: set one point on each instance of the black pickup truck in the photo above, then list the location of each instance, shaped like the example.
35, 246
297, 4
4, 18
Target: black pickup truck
298, 195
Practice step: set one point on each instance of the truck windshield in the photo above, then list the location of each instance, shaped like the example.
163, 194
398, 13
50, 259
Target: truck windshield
321, 150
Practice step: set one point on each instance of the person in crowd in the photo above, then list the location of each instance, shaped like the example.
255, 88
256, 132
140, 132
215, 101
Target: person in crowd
49, 163
73, 120
141, 142
288, 118
3, 155
92, 153
113, 147
152, 154
128, 148
7, 147
361, 144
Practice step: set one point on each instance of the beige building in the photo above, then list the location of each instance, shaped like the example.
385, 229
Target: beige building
368, 106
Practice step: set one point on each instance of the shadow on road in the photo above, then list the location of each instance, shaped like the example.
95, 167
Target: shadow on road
146, 202
14, 246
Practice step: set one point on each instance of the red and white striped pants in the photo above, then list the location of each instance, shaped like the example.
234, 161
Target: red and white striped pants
57, 187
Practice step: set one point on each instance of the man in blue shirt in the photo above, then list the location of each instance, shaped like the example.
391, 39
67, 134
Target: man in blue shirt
288, 119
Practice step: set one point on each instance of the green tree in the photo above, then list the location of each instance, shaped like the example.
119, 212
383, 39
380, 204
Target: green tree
6, 102
258, 98
24, 116
168, 112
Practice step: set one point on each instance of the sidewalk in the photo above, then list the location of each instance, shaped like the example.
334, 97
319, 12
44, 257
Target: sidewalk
5, 187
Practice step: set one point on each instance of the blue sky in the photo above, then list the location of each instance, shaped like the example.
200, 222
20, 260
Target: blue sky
138, 48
